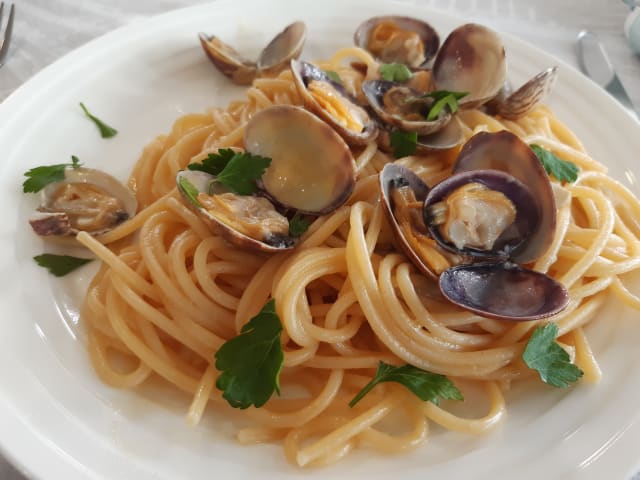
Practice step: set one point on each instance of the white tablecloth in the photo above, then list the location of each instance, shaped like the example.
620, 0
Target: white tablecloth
45, 30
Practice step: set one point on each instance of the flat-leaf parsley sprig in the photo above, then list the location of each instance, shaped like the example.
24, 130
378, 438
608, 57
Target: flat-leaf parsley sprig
40, 177
250, 364
543, 354
238, 171
429, 387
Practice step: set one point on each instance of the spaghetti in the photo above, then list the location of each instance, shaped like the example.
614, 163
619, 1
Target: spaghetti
170, 293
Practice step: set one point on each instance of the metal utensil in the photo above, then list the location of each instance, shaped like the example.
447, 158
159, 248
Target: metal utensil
595, 63
4, 48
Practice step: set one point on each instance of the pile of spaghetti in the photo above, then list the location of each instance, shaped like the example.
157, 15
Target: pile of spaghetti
170, 292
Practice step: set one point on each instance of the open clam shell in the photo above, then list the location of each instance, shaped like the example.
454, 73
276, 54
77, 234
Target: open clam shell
226, 59
191, 183
331, 102
504, 151
471, 59
503, 291
403, 107
312, 169
86, 200
398, 39
274, 58
513, 105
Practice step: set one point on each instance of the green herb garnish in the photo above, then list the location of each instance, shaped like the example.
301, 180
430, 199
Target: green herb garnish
552, 362
561, 169
403, 143
443, 99
105, 130
40, 177
250, 363
237, 171
333, 76
190, 190
60, 265
395, 72
298, 225
428, 386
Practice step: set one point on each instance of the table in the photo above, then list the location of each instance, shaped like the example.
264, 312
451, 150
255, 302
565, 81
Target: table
45, 30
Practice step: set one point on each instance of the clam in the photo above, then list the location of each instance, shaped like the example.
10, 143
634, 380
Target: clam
312, 169
331, 102
86, 200
311, 172
397, 39
471, 59
494, 214
513, 105
403, 107
449, 136
245, 220
275, 57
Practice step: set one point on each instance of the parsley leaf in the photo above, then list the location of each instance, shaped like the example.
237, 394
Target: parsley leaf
543, 354
40, 177
250, 363
333, 76
105, 130
60, 265
298, 225
395, 72
443, 99
237, 171
403, 143
215, 162
561, 169
428, 386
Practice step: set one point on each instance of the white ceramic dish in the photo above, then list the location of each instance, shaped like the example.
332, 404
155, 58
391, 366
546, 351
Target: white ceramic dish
58, 421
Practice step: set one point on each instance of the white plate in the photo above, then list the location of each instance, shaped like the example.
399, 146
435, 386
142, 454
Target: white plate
58, 421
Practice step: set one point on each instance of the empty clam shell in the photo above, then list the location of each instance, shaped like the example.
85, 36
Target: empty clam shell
284, 47
226, 59
527, 97
312, 169
398, 39
503, 291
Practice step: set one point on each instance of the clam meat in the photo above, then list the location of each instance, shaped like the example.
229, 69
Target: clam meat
492, 215
86, 200
275, 57
331, 102
397, 39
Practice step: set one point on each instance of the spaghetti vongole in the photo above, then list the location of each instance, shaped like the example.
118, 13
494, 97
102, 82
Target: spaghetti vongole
170, 292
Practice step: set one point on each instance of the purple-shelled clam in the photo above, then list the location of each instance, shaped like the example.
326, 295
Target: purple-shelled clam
479, 226
397, 39
331, 102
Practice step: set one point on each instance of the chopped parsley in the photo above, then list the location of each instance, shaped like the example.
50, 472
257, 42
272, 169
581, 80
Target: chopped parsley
298, 225
105, 130
403, 143
60, 265
333, 76
543, 354
563, 170
395, 72
430, 387
238, 171
40, 177
443, 99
